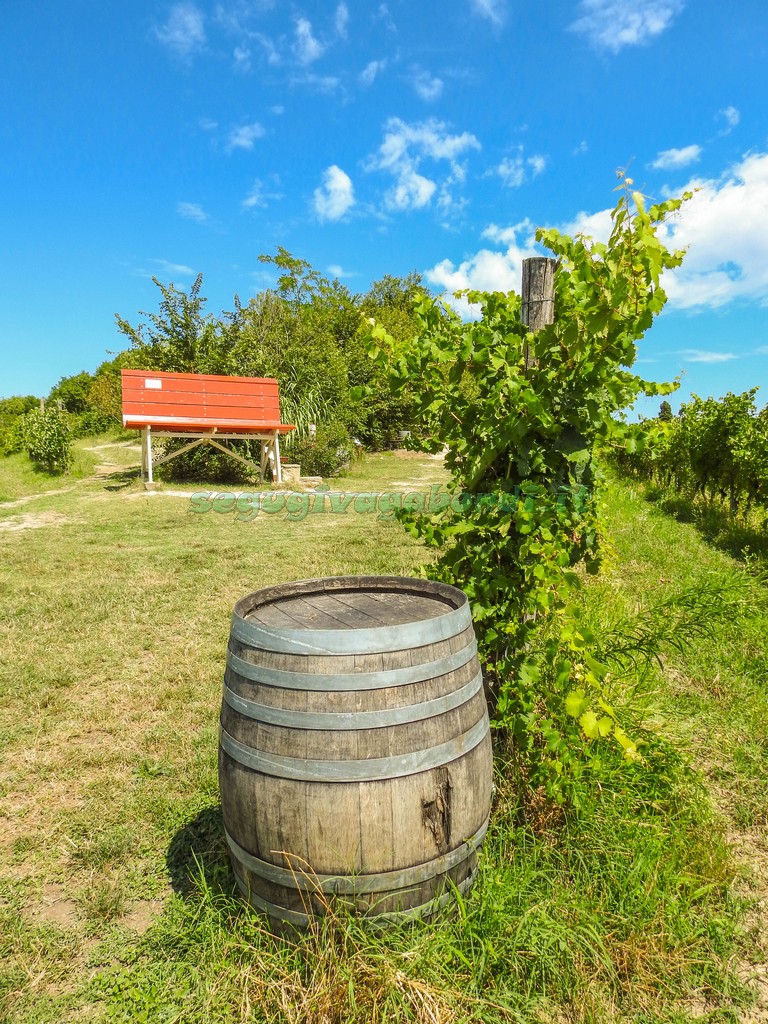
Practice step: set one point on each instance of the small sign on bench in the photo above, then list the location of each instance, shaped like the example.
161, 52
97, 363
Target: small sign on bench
204, 408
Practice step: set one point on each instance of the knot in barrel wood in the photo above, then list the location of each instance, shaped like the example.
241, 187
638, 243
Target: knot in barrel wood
355, 752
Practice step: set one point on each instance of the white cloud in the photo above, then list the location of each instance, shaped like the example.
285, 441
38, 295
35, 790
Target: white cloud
270, 50
260, 197
508, 235
244, 136
428, 138
242, 56
488, 269
402, 153
184, 31
594, 225
670, 159
697, 355
237, 16
371, 70
426, 86
613, 24
341, 20
192, 211
537, 164
511, 170
514, 170
494, 10
337, 271
335, 196
306, 47
731, 116
450, 206
724, 229
173, 268
321, 83
383, 15
412, 191
239, 20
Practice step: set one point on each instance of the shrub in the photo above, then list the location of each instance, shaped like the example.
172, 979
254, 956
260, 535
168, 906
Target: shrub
326, 455
12, 437
47, 440
207, 463
93, 422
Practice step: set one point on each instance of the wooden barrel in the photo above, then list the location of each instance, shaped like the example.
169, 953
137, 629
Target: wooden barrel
354, 752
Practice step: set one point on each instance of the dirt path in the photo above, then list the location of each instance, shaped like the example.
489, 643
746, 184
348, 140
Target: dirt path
33, 497
750, 850
32, 521
107, 468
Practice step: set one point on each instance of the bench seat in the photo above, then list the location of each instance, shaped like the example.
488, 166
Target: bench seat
204, 407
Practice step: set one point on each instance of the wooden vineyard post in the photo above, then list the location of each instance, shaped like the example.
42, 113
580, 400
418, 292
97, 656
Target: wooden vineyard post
538, 295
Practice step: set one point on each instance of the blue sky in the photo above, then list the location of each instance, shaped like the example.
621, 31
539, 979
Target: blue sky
165, 139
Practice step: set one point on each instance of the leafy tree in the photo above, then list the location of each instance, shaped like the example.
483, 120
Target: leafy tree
17, 405
295, 343
307, 332
182, 337
73, 392
665, 412
93, 400
390, 294
390, 301
298, 282
12, 411
106, 396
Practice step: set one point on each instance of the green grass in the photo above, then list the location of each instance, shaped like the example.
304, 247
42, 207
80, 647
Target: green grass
713, 697
20, 478
117, 901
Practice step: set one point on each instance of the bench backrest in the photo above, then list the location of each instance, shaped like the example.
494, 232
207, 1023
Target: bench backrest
187, 401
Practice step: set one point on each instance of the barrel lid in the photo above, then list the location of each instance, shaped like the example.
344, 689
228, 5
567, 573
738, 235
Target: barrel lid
350, 615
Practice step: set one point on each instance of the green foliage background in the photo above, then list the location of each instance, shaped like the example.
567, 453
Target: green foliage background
713, 449
307, 332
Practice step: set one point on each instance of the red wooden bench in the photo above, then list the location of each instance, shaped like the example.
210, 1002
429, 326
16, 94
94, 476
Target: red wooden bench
205, 408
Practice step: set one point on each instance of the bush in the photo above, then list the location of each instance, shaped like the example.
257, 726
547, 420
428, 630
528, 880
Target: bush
12, 437
209, 464
92, 422
47, 440
329, 453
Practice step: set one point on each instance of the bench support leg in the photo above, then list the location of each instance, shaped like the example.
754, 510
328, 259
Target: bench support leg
146, 454
270, 452
278, 467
